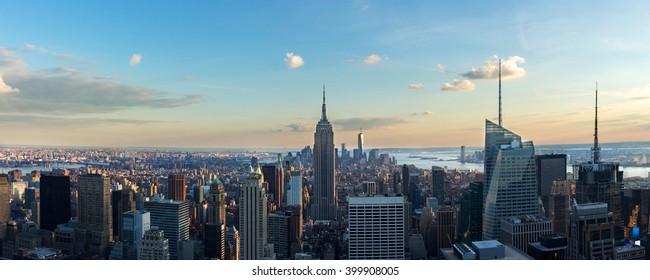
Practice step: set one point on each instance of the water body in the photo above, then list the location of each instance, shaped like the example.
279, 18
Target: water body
29, 169
449, 158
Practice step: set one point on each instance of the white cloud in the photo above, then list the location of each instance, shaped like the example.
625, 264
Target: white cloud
441, 67
416, 86
490, 69
35, 48
136, 58
427, 113
372, 59
5, 88
458, 85
294, 61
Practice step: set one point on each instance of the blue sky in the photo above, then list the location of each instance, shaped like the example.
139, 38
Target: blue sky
250, 73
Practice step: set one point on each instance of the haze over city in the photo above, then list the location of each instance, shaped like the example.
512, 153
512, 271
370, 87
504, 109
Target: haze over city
249, 74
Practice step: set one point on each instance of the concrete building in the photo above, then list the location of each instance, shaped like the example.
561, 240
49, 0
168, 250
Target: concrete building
154, 245
94, 231
592, 232
376, 227
176, 187
522, 230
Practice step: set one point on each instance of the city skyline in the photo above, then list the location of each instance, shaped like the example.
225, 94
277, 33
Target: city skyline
227, 75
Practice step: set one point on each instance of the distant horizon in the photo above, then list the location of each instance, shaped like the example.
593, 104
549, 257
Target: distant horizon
297, 148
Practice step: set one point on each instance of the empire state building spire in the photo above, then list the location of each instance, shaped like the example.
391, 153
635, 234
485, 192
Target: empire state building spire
324, 116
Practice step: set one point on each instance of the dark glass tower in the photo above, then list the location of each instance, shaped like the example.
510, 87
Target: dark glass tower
55, 200
176, 187
325, 203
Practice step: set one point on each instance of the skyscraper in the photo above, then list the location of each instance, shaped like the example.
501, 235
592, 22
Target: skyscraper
438, 183
509, 178
592, 232
121, 201
274, 177
294, 195
471, 213
598, 181
324, 203
217, 203
154, 245
362, 156
5, 197
176, 187
55, 200
94, 231
253, 223
371, 239
135, 224
173, 218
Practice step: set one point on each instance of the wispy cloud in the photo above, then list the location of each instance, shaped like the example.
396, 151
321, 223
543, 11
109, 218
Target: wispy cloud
416, 86
57, 55
458, 85
136, 59
293, 61
353, 124
490, 69
40, 120
372, 59
301, 127
427, 113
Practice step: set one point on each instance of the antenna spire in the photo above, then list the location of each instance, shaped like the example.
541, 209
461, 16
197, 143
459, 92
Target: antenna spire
500, 117
596, 148
324, 115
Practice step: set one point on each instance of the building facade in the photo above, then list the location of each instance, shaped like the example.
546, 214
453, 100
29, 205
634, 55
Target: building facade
376, 227
325, 201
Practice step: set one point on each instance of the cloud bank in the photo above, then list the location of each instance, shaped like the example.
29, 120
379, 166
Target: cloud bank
458, 85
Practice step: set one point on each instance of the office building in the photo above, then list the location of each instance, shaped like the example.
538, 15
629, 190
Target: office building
233, 243
253, 223
361, 153
510, 188
173, 218
462, 154
216, 203
376, 227
94, 231
325, 201
176, 187
636, 201
592, 232
294, 194
438, 183
471, 213
446, 227
215, 241
274, 177
5, 207
154, 245
549, 247
135, 224
121, 201
521, 230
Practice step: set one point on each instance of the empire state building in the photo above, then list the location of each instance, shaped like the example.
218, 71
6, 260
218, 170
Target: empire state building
324, 203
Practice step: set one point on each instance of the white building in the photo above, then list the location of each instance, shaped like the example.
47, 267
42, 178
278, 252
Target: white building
519, 231
154, 245
253, 223
376, 226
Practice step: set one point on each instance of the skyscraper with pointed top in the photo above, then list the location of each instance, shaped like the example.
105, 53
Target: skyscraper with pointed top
509, 187
362, 156
324, 203
598, 181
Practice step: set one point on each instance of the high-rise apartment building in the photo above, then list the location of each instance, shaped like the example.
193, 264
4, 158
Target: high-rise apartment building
94, 231
173, 218
376, 227
253, 224
325, 201
510, 186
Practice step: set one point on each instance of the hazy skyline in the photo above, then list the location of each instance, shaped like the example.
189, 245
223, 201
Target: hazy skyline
250, 74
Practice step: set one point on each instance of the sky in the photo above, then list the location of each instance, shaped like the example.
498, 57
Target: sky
250, 74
